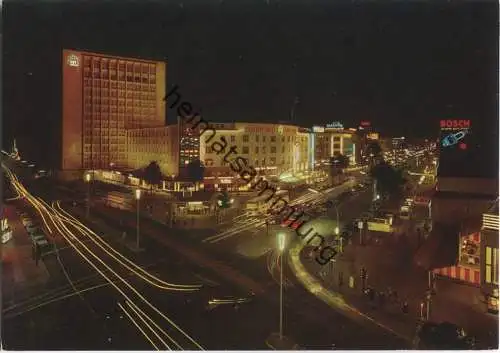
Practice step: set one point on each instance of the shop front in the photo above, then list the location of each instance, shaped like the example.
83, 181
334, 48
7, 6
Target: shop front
490, 260
468, 266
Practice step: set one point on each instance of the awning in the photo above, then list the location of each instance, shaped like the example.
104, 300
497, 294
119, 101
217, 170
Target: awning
440, 248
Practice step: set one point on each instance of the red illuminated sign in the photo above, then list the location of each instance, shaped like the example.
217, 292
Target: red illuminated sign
365, 123
454, 124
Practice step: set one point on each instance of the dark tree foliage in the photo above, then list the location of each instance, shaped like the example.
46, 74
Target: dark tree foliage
195, 171
373, 149
389, 180
153, 174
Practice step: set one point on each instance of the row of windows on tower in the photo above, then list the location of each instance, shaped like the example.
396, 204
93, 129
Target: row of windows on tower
113, 64
97, 84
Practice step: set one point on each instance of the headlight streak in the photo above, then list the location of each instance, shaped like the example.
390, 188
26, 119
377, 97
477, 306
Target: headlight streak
143, 273
138, 327
143, 318
50, 301
59, 221
62, 225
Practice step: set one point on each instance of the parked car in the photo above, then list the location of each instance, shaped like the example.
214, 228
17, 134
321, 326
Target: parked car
26, 221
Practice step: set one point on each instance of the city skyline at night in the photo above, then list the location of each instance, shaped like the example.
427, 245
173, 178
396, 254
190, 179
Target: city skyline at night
250, 175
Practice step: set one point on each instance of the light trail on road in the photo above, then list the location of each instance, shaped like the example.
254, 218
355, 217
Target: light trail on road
62, 224
120, 258
273, 267
247, 222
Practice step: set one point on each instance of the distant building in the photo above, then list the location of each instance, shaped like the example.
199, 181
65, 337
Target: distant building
332, 140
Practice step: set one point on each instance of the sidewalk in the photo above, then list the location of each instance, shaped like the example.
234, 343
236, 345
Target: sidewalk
19, 271
389, 264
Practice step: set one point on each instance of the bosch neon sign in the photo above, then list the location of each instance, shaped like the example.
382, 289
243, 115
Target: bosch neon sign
452, 124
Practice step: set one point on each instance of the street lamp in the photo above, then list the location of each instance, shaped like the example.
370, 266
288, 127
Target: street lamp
87, 180
137, 197
281, 248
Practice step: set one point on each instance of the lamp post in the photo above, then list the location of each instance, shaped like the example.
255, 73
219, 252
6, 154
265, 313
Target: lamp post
87, 180
281, 248
137, 197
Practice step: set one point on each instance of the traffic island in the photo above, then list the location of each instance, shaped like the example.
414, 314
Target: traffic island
283, 343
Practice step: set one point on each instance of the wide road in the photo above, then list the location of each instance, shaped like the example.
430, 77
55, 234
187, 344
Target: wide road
310, 322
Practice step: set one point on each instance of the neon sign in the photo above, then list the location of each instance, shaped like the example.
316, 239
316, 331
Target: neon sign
335, 125
365, 123
453, 124
454, 138
318, 129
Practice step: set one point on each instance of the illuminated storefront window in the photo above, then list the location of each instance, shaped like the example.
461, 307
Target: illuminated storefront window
469, 252
491, 269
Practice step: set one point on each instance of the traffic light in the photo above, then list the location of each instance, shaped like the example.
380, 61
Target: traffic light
223, 200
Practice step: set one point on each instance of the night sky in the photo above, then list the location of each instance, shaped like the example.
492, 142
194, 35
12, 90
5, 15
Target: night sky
403, 65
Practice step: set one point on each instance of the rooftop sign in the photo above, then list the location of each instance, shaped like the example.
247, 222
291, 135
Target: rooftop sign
335, 125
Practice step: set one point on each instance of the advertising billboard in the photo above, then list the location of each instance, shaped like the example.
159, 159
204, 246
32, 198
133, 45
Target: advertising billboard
467, 150
335, 125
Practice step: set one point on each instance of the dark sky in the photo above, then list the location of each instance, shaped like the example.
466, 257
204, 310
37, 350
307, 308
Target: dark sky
403, 65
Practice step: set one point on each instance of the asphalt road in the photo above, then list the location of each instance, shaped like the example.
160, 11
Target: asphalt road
90, 320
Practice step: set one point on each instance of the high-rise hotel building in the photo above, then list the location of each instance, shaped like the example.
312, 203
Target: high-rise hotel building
103, 97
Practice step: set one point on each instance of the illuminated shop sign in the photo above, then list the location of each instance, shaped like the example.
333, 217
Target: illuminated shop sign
270, 129
455, 133
372, 136
452, 124
73, 60
365, 123
318, 129
335, 125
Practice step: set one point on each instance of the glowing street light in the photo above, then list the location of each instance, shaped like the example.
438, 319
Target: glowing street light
137, 197
281, 248
87, 180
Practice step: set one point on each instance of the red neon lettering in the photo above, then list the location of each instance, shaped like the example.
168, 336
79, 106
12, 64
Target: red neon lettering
442, 123
465, 123
449, 123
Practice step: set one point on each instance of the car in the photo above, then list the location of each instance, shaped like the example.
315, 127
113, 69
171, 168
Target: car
26, 221
32, 228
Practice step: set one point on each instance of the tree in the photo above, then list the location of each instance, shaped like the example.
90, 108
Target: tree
195, 171
374, 152
223, 200
337, 163
389, 180
153, 174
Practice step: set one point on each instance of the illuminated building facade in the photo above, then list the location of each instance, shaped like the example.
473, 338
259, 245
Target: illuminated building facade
102, 97
160, 144
189, 142
271, 149
330, 141
490, 257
